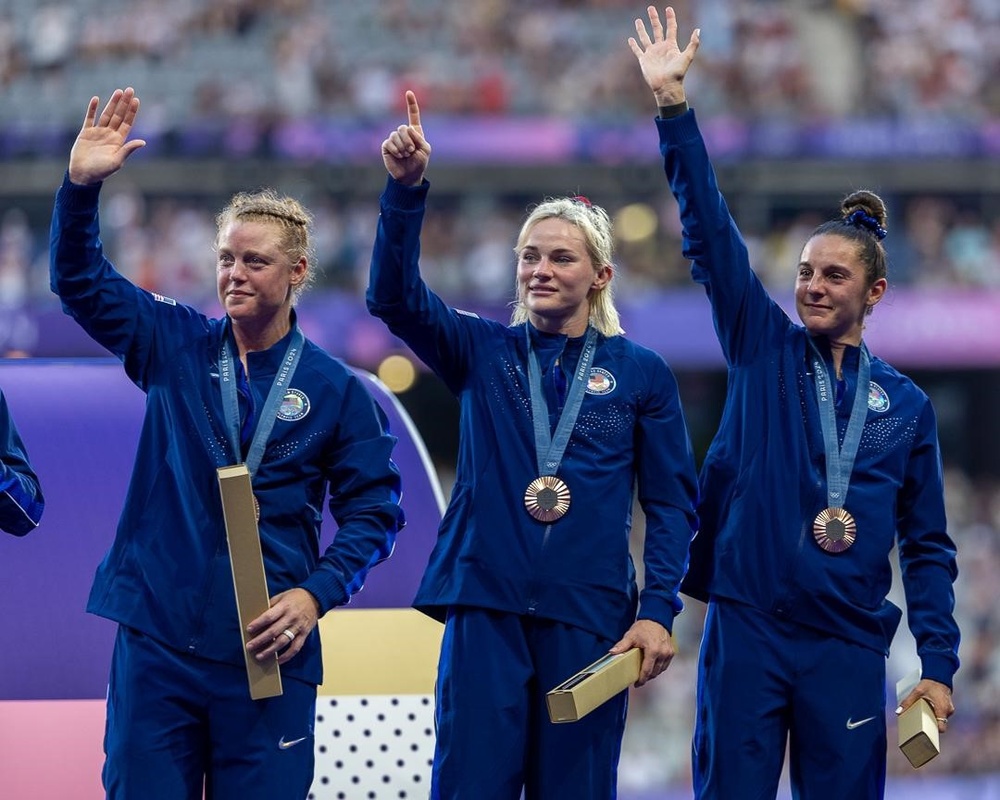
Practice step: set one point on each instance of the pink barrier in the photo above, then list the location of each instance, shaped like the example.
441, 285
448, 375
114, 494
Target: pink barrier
51, 749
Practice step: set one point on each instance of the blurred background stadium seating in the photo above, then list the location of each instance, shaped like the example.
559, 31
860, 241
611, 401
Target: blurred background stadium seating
802, 101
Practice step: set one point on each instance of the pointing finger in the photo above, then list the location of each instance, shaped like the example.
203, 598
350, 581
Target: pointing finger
412, 110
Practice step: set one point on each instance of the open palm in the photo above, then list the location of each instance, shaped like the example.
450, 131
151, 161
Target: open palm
102, 145
662, 62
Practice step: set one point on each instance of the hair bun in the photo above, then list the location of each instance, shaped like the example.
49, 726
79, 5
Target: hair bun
865, 209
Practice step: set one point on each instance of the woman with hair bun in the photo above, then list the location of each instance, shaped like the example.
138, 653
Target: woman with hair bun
826, 459
562, 420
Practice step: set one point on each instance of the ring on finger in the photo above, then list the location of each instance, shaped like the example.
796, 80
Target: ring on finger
289, 633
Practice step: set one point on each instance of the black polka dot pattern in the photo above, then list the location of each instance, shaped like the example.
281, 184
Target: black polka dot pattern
375, 747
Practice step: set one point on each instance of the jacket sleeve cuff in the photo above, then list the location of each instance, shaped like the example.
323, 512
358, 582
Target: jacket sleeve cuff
74, 197
938, 667
682, 128
328, 593
404, 198
659, 610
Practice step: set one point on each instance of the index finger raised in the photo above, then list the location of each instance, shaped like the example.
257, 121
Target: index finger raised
412, 110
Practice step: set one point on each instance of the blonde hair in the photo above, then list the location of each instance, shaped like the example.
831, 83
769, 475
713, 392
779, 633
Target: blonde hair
294, 220
598, 234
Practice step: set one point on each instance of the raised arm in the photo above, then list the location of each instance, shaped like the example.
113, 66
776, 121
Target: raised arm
112, 310
397, 294
745, 317
102, 146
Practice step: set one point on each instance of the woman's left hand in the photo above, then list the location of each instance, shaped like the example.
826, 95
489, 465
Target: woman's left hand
284, 627
655, 643
938, 695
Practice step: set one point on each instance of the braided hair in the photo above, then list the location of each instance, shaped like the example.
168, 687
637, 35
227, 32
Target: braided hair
294, 220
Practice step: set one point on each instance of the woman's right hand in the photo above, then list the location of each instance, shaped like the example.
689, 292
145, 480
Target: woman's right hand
663, 63
406, 152
102, 145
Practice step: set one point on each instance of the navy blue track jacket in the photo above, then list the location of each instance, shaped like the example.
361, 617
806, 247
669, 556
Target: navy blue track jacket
630, 434
167, 573
764, 478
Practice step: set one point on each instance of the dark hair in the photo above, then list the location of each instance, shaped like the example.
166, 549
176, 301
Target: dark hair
863, 221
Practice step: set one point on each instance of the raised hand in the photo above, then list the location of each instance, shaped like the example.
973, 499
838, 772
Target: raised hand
102, 145
406, 152
663, 63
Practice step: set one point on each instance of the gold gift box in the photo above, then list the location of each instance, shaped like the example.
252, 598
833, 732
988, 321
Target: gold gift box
577, 696
249, 579
919, 739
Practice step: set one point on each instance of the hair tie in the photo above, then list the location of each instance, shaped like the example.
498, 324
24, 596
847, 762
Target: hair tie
860, 219
585, 200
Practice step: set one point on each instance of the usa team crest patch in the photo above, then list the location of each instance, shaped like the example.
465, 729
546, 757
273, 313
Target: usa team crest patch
878, 400
600, 381
294, 406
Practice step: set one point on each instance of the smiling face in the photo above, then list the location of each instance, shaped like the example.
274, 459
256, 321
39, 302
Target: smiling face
555, 276
832, 295
255, 276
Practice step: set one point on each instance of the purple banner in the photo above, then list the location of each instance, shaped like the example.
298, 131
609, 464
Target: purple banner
541, 140
910, 328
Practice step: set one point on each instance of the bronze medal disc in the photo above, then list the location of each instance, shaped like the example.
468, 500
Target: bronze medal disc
547, 498
834, 530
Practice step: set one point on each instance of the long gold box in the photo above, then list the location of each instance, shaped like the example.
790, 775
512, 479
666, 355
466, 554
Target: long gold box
919, 738
580, 694
249, 579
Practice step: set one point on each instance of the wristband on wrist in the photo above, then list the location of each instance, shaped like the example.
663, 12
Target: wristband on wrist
667, 112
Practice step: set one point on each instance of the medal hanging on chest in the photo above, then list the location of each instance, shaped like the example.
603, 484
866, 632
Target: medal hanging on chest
547, 497
834, 528
269, 412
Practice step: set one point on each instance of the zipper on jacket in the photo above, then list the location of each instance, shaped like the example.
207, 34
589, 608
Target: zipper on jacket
532, 600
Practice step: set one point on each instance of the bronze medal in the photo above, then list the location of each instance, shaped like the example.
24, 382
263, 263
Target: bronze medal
834, 530
547, 498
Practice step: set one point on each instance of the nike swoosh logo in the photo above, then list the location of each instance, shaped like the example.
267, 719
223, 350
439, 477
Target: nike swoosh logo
851, 725
283, 745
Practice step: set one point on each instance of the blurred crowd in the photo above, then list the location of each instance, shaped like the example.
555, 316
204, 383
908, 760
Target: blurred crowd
279, 58
272, 60
165, 245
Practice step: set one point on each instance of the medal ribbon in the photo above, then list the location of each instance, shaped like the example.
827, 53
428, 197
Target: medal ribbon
549, 449
840, 460
231, 402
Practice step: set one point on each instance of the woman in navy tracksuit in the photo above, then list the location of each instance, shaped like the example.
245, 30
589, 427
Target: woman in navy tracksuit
247, 388
536, 583
825, 459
